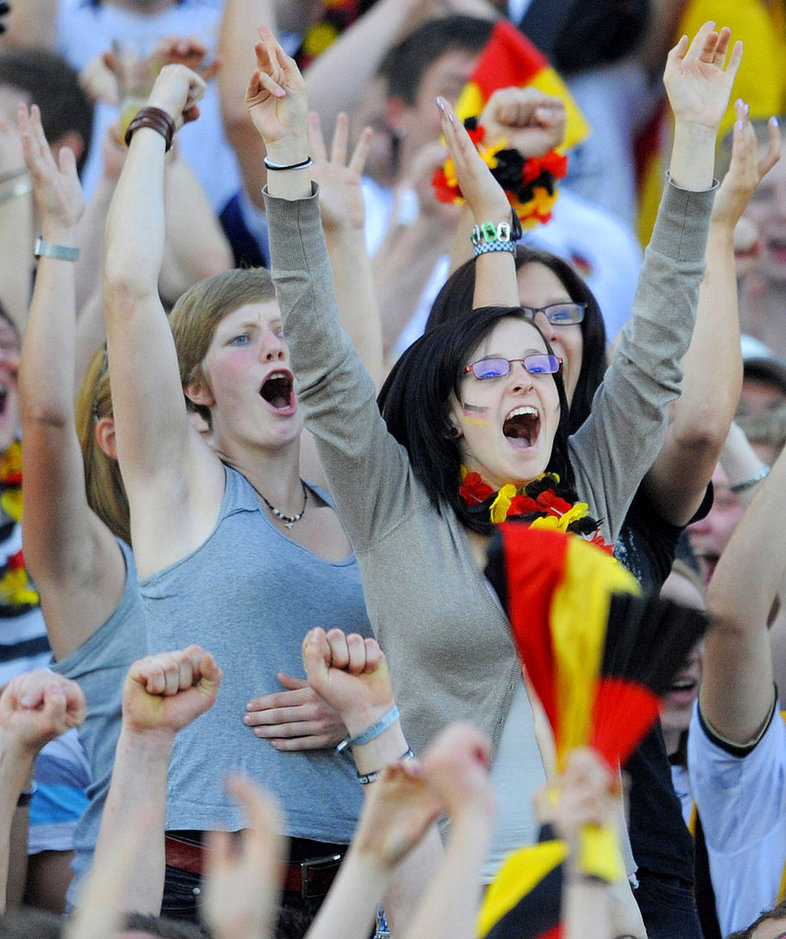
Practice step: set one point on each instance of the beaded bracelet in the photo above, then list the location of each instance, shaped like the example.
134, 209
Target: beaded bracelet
387, 719
365, 778
751, 481
491, 246
156, 119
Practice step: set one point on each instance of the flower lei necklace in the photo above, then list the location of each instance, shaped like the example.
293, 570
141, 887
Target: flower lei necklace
536, 503
17, 593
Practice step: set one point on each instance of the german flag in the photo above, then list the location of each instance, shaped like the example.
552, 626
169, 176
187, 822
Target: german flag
598, 655
510, 60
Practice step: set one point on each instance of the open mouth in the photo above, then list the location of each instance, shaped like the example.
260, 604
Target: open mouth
683, 690
278, 391
522, 426
3, 398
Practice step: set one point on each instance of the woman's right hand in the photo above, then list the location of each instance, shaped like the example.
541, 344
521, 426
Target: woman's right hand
351, 674
483, 194
531, 121
177, 90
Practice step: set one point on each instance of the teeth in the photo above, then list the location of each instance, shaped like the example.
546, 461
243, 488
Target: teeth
526, 411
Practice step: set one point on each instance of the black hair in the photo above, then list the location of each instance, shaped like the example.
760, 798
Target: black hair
777, 912
54, 86
415, 402
456, 296
405, 63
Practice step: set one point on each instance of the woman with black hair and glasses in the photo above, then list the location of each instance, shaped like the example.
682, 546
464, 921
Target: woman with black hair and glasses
419, 529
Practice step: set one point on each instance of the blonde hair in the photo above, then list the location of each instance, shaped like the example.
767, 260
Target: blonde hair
106, 493
199, 310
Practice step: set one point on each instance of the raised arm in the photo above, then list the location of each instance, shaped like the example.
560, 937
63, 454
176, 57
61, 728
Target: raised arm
351, 674
736, 696
172, 478
162, 694
712, 367
35, 707
74, 558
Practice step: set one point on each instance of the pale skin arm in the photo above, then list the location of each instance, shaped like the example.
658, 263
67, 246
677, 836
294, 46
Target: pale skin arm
174, 482
456, 770
736, 691
712, 367
74, 558
352, 675
241, 888
35, 707
239, 21
162, 694
16, 227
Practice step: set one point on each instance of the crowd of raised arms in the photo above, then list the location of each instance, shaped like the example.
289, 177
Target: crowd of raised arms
392, 527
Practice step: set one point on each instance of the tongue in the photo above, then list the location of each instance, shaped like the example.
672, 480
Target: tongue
518, 428
279, 401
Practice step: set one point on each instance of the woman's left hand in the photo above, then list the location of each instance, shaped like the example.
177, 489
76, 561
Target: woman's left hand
276, 100
483, 194
295, 719
698, 79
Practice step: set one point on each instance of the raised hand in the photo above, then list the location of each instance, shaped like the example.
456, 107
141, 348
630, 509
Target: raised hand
58, 193
177, 90
276, 101
36, 707
169, 690
243, 873
483, 194
747, 168
531, 121
339, 178
295, 719
351, 674
698, 78
456, 769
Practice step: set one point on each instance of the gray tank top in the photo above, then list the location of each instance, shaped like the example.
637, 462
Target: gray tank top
249, 595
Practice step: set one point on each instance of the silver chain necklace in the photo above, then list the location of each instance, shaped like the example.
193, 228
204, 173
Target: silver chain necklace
288, 520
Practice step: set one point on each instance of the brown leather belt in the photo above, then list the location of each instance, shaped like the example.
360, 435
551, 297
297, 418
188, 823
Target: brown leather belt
308, 879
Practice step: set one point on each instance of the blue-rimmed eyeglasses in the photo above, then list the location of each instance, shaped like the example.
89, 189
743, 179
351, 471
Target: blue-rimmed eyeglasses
558, 314
540, 364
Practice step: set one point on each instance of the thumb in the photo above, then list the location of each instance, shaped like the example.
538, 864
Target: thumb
316, 656
290, 682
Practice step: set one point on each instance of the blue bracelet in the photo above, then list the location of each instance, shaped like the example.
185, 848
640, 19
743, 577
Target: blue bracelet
374, 731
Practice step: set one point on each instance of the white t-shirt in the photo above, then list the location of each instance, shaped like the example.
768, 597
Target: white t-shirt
86, 30
741, 801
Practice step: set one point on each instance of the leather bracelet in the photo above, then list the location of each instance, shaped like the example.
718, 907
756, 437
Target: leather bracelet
365, 778
48, 249
156, 119
287, 166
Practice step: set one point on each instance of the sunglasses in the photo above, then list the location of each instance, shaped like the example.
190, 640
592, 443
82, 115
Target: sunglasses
558, 314
540, 364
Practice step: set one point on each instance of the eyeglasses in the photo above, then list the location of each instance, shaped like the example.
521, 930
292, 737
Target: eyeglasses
540, 364
558, 314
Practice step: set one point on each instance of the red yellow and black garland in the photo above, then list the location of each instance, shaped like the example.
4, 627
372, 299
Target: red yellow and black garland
536, 503
530, 184
17, 593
